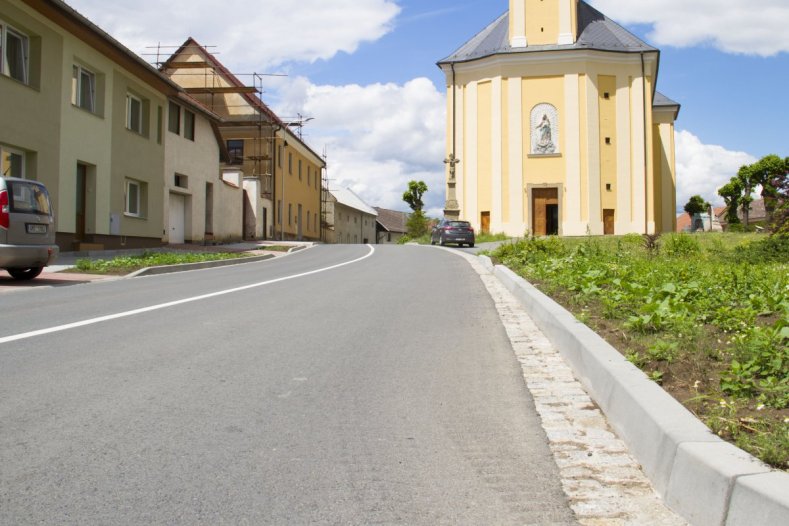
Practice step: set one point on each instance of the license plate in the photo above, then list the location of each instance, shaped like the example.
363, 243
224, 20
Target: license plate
36, 229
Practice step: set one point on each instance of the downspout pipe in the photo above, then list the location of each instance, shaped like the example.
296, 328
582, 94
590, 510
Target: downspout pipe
646, 160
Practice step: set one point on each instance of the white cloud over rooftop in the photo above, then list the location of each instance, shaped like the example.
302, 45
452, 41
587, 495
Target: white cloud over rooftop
247, 33
751, 27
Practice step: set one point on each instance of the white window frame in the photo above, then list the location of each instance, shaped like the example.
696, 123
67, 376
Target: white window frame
76, 96
174, 110
127, 198
189, 127
4, 150
5, 29
129, 109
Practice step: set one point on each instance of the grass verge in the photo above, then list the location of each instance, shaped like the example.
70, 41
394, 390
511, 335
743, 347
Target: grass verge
705, 316
126, 264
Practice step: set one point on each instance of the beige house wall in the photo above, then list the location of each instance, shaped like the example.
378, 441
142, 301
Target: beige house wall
198, 161
31, 116
57, 135
352, 226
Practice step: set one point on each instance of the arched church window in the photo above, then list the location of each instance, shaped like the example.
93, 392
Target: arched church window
544, 130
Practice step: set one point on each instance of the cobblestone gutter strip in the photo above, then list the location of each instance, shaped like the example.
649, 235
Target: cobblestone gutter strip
603, 483
706, 480
168, 269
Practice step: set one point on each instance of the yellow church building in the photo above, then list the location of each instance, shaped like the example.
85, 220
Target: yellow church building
555, 126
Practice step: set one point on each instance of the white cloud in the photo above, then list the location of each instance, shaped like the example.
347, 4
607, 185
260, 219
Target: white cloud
703, 168
378, 137
248, 33
752, 27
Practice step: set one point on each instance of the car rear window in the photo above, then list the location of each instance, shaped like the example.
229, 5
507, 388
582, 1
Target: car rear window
465, 224
28, 198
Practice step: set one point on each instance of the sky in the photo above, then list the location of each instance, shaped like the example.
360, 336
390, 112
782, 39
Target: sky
365, 72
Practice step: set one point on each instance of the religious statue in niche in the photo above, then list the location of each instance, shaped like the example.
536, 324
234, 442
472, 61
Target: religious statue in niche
544, 134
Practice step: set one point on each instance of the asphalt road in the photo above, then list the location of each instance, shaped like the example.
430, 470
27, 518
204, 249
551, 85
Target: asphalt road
337, 385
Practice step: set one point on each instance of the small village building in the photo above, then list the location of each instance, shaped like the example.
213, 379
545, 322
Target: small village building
280, 174
201, 207
390, 226
91, 120
348, 219
555, 126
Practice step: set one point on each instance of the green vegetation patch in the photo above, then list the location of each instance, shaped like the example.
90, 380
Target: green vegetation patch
127, 264
704, 315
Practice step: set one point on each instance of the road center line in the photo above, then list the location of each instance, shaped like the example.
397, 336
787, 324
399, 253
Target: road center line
101, 319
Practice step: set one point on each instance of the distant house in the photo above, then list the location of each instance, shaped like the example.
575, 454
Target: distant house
390, 226
757, 214
701, 222
279, 173
348, 219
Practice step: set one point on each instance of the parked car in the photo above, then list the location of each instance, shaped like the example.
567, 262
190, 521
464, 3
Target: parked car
27, 228
451, 231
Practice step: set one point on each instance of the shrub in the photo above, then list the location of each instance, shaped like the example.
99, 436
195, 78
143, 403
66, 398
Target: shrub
680, 245
774, 248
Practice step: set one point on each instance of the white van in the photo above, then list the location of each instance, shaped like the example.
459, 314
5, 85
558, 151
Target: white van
27, 228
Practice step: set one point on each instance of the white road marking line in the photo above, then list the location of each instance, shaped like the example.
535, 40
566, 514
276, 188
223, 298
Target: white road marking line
101, 319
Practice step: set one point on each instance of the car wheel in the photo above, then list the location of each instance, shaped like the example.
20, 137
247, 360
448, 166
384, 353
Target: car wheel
441, 240
432, 241
25, 274
471, 245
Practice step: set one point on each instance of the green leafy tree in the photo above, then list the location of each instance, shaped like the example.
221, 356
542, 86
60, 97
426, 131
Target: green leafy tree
416, 224
731, 194
748, 179
768, 172
413, 196
417, 221
696, 205
780, 182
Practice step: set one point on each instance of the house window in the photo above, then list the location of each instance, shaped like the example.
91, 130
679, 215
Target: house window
174, 118
189, 125
279, 212
235, 148
12, 163
181, 181
309, 175
299, 169
290, 214
83, 88
133, 113
290, 163
133, 198
280, 154
308, 220
14, 53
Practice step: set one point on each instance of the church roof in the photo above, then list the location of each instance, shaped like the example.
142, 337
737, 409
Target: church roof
595, 31
662, 100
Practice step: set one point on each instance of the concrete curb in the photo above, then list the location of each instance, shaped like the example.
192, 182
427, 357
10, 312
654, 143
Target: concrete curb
169, 269
701, 477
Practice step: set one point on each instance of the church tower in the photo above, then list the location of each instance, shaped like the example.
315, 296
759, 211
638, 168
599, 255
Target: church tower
543, 22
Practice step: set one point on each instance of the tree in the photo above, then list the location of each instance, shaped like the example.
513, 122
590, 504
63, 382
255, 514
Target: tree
696, 205
747, 178
780, 182
731, 194
417, 221
768, 172
413, 196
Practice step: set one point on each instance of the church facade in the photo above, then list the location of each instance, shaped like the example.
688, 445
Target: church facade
555, 126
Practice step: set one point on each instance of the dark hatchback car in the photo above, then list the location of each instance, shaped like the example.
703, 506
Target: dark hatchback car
451, 231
